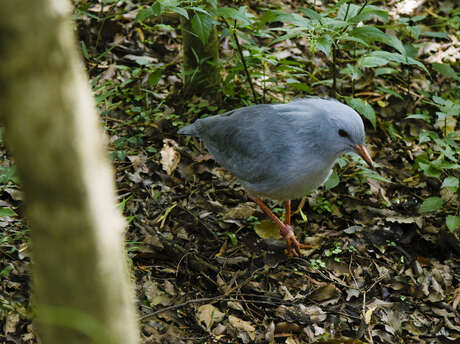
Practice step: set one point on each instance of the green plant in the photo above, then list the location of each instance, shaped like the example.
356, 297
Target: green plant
317, 264
440, 160
322, 205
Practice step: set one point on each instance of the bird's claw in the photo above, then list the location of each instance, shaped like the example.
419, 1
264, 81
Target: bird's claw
293, 246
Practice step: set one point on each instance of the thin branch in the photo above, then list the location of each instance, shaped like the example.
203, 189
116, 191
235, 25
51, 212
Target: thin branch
240, 51
334, 71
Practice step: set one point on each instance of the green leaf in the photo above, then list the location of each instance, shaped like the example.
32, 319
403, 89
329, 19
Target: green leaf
385, 70
332, 181
7, 212
390, 91
425, 117
232, 238
453, 222
372, 174
295, 19
395, 57
154, 77
445, 70
179, 10
240, 14
371, 61
144, 14
365, 13
450, 183
311, 14
431, 204
202, 26
364, 108
324, 44
436, 34
370, 34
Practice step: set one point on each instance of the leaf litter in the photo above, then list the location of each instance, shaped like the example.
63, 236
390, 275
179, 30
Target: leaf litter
204, 270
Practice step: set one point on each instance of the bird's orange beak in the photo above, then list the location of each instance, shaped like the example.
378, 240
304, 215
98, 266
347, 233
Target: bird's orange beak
362, 150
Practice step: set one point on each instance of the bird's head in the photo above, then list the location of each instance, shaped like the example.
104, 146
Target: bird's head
345, 131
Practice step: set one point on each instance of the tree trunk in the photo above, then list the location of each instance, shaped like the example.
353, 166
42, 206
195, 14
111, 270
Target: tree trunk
200, 62
80, 283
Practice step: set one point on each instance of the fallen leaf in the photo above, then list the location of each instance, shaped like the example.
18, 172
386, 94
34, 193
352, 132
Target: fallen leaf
267, 229
324, 293
12, 321
243, 326
170, 157
209, 315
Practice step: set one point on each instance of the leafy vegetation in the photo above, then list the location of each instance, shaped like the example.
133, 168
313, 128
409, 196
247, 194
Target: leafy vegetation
399, 227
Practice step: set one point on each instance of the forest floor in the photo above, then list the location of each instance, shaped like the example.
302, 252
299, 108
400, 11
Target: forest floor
203, 263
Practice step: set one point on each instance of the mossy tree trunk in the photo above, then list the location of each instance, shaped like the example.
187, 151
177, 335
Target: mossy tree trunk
200, 61
81, 287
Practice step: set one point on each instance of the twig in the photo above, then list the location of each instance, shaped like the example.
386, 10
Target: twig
334, 71
248, 76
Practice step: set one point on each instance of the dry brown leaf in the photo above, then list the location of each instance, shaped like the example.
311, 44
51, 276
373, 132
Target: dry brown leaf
170, 157
12, 321
209, 315
154, 294
243, 326
324, 293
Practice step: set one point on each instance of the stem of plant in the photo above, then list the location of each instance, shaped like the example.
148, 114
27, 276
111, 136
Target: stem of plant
334, 71
248, 76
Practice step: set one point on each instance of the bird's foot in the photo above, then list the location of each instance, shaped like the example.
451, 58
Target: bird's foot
293, 246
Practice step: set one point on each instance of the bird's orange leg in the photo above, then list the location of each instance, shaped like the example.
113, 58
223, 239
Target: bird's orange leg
287, 213
285, 228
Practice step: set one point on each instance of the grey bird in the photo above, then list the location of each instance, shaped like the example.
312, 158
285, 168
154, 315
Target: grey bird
282, 151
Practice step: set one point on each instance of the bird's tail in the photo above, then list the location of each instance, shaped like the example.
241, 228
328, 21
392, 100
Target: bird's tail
189, 130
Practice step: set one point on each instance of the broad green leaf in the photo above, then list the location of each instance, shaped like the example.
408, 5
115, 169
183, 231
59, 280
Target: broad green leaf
332, 181
390, 91
371, 61
446, 70
385, 70
295, 19
213, 3
453, 222
240, 14
364, 108
370, 34
144, 14
158, 8
430, 170
372, 174
170, 3
352, 71
431, 204
395, 57
357, 13
202, 26
7, 212
324, 44
369, 12
163, 27
199, 9
179, 10
451, 183
426, 118
436, 34
311, 14
154, 77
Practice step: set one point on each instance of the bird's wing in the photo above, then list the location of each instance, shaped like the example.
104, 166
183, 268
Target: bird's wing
244, 143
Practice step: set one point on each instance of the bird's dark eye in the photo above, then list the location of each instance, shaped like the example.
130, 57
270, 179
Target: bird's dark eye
343, 133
